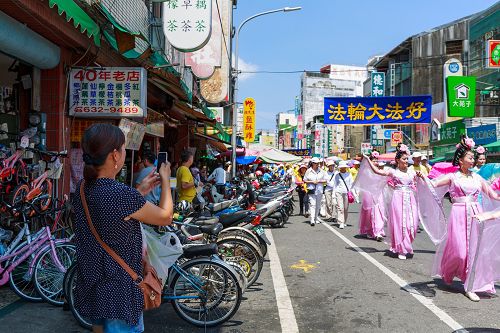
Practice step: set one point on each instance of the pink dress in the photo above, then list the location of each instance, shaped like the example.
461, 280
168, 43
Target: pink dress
371, 217
402, 211
454, 254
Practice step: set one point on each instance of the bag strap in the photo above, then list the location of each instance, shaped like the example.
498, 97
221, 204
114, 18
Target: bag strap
333, 175
109, 250
344, 182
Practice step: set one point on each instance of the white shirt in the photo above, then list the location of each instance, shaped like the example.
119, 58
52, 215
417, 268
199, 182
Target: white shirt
219, 175
330, 180
318, 176
338, 184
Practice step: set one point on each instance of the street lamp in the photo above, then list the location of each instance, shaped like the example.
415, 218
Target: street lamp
235, 108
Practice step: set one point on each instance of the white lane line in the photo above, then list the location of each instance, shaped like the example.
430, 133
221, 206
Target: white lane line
285, 309
428, 303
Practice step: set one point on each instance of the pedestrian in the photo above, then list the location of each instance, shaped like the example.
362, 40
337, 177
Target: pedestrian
480, 158
372, 215
219, 177
330, 199
196, 173
148, 159
354, 169
302, 190
342, 185
315, 179
185, 180
105, 293
402, 213
425, 163
459, 239
203, 174
417, 166
138, 166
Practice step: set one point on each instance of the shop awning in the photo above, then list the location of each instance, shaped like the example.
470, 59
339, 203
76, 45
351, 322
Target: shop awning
80, 18
436, 160
192, 114
214, 142
274, 155
493, 147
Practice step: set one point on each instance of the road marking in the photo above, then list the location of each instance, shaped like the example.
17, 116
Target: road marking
428, 303
303, 265
285, 309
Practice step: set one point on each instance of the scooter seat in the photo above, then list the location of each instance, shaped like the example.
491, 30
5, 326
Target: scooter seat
206, 221
229, 219
216, 207
204, 250
212, 230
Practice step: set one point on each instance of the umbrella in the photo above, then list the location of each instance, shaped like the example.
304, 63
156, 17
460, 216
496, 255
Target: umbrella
490, 171
442, 168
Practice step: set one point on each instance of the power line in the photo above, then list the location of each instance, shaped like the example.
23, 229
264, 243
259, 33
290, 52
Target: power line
346, 70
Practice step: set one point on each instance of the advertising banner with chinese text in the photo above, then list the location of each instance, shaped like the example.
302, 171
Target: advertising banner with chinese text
482, 135
378, 110
493, 53
461, 96
108, 92
451, 132
298, 152
249, 120
134, 133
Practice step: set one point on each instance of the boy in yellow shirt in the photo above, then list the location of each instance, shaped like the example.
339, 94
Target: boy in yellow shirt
185, 180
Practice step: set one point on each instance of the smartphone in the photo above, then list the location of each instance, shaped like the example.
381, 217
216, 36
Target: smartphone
162, 158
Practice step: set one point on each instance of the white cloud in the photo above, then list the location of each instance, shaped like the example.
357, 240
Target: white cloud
243, 67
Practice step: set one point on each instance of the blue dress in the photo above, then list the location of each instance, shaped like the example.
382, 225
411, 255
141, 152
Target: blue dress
104, 289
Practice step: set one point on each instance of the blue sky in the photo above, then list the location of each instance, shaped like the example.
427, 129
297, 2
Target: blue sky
326, 31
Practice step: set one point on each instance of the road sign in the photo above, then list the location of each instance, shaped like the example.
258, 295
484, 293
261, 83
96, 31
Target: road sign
493, 53
396, 138
388, 133
378, 84
461, 96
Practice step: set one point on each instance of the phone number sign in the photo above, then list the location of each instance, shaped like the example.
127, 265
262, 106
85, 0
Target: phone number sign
108, 92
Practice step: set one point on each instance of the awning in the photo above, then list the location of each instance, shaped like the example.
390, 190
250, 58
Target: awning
493, 147
436, 160
192, 114
214, 142
274, 155
80, 18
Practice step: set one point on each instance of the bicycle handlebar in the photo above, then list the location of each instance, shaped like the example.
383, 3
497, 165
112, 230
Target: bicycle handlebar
53, 155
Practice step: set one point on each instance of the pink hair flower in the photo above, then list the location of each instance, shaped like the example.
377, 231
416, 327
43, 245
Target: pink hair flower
375, 154
404, 148
458, 145
470, 143
480, 150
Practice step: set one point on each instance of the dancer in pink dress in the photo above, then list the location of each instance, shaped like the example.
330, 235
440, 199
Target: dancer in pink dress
372, 216
459, 242
399, 196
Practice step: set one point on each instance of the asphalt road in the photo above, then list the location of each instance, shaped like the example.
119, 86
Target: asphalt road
334, 281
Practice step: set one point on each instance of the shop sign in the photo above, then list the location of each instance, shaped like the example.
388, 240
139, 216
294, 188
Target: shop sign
204, 61
219, 114
483, 135
451, 132
156, 129
298, 152
378, 84
396, 138
366, 148
215, 89
377, 110
461, 96
108, 92
187, 24
493, 53
440, 151
134, 133
249, 120
300, 127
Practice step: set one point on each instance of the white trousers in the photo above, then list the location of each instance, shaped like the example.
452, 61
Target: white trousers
342, 205
314, 206
330, 203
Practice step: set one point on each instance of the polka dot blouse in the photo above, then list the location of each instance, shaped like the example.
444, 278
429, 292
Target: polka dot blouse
104, 290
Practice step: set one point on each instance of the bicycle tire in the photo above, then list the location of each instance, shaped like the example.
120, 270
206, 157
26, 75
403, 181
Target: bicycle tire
248, 250
230, 280
18, 194
21, 283
46, 187
47, 277
70, 283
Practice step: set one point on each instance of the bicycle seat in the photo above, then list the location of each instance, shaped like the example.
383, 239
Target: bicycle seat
212, 230
204, 250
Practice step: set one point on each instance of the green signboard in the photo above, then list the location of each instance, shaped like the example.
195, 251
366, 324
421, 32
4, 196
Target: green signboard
451, 132
461, 92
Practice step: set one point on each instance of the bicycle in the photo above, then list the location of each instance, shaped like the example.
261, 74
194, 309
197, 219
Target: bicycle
25, 260
204, 290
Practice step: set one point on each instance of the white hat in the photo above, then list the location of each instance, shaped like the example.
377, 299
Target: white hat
343, 164
355, 162
416, 154
315, 160
330, 162
380, 163
424, 157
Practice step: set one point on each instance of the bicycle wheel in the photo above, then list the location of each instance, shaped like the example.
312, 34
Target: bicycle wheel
17, 195
21, 279
244, 253
48, 277
209, 293
46, 188
71, 279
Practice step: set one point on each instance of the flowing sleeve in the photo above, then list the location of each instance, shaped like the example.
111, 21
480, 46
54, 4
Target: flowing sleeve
369, 181
431, 212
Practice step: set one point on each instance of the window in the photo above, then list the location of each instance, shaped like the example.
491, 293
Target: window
454, 47
287, 121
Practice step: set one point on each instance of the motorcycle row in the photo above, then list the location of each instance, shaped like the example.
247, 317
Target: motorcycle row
223, 246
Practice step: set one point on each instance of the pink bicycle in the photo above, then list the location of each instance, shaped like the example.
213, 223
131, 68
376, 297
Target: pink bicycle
35, 264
